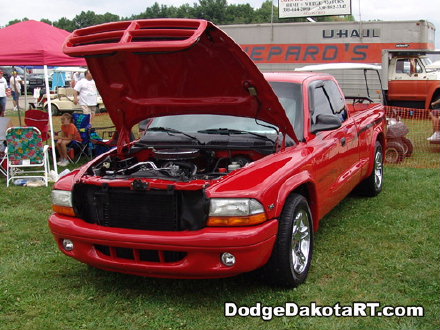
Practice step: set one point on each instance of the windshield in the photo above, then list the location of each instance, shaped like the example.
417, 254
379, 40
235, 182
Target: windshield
195, 123
19, 70
289, 95
430, 65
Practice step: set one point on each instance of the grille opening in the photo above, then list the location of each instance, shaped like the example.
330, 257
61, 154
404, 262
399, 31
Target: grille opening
124, 253
149, 255
143, 255
156, 210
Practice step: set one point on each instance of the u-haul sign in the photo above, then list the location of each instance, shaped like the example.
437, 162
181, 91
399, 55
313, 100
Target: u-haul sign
310, 8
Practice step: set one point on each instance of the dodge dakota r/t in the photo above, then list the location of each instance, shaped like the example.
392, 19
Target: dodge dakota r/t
235, 170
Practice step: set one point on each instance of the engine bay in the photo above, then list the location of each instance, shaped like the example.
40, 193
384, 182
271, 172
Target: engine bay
175, 164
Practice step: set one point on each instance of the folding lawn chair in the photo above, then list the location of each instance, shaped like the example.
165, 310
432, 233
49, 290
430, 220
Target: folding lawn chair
83, 148
26, 156
4, 125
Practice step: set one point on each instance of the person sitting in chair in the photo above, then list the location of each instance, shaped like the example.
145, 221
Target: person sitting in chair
69, 132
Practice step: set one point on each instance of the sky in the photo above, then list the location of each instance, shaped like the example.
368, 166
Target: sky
364, 9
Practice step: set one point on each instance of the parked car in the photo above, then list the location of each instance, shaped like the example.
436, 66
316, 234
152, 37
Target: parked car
61, 101
235, 171
36, 80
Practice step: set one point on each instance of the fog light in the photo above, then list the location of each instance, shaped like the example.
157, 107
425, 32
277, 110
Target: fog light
68, 245
228, 259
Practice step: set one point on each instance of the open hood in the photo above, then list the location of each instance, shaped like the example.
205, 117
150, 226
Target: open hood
160, 67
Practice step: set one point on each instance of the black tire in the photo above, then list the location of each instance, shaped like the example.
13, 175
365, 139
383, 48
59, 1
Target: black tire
55, 110
292, 254
409, 147
372, 186
395, 152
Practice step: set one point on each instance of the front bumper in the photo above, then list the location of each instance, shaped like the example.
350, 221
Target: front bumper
124, 250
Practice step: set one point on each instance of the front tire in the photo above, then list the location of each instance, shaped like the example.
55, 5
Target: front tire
292, 255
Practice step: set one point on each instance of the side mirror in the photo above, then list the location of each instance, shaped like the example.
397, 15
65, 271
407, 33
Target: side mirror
326, 123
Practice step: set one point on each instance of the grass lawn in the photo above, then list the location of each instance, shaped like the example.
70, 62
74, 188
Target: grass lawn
384, 249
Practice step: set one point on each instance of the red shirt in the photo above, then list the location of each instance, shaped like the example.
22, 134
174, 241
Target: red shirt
71, 130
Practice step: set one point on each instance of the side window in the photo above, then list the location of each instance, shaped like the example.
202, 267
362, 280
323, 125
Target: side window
326, 98
419, 68
403, 66
337, 100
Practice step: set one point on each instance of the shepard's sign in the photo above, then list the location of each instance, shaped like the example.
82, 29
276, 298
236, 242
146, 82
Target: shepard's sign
310, 8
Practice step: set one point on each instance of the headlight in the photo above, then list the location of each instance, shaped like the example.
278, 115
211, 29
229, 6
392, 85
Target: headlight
62, 202
235, 212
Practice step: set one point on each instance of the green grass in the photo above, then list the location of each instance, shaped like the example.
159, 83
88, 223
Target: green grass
382, 249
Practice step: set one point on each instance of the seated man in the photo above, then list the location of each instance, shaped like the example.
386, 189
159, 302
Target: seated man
435, 116
69, 132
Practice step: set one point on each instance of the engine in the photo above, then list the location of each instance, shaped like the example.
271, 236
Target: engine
172, 164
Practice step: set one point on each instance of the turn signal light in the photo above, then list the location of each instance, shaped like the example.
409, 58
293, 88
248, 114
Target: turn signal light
237, 221
63, 210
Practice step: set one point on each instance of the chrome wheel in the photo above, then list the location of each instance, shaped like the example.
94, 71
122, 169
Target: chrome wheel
300, 241
378, 169
292, 255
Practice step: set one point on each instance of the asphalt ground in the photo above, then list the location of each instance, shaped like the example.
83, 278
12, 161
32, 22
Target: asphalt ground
23, 105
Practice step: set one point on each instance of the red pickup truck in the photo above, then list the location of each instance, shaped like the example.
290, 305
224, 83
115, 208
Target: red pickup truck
235, 170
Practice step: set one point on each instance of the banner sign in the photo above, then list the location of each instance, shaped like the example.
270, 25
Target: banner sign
323, 53
310, 8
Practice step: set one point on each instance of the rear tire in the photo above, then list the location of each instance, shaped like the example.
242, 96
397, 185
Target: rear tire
55, 110
292, 254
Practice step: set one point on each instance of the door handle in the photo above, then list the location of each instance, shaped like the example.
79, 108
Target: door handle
343, 141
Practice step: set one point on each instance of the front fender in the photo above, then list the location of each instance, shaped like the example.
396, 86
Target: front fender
303, 184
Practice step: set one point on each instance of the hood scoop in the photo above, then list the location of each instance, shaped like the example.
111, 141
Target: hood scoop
161, 67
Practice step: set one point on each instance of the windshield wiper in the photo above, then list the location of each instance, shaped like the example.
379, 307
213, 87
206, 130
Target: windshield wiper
172, 130
227, 131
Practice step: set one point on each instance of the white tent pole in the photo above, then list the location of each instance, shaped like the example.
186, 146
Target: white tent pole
49, 110
25, 90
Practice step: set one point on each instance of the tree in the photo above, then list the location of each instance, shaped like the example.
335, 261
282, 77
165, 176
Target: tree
217, 11
239, 14
211, 10
17, 21
47, 21
85, 19
65, 24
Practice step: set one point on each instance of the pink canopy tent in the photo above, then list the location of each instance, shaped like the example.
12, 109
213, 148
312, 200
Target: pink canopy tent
33, 43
